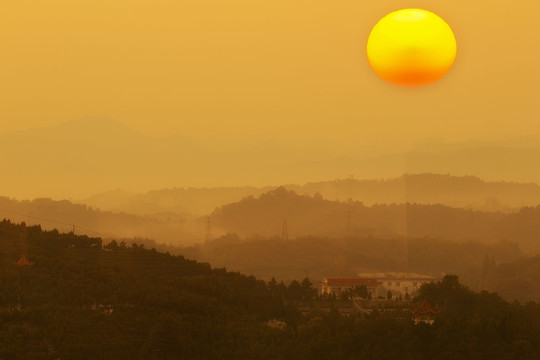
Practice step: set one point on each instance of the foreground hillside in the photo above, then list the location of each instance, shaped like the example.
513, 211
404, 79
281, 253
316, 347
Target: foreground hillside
122, 302
81, 301
305, 215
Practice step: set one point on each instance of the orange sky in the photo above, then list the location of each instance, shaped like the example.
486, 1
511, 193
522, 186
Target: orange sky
283, 68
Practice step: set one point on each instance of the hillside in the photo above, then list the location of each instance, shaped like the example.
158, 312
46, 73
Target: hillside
305, 215
63, 215
428, 188
197, 201
456, 191
99, 154
320, 257
161, 215
80, 300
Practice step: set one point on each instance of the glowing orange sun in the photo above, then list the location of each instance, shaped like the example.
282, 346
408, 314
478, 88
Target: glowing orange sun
411, 47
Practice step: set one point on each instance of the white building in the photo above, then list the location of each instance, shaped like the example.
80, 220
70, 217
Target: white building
399, 283
338, 285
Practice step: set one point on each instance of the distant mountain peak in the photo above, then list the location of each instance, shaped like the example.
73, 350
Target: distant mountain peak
280, 192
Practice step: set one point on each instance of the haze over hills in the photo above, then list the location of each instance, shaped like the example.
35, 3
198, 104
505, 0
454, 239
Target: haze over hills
64, 215
196, 201
100, 154
441, 206
466, 192
315, 216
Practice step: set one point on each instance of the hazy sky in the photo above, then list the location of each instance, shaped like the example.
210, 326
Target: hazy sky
281, 67
284, 81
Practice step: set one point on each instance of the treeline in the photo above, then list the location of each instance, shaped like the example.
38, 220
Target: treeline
499, 267
267, 257
518, 279
85, 300
456, 191
164, 227
426, 188
307, 215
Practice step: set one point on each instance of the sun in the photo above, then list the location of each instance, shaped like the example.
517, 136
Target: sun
411, 47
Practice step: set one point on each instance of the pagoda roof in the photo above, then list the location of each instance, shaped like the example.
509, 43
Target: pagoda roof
425, 308
23, 261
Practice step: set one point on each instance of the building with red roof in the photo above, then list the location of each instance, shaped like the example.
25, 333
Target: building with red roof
424, 313
338, 285
23, 261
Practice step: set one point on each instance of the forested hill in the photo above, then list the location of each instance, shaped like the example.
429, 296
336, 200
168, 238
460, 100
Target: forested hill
164, 227
121, 302
82, 300
305, 215
456, 191
426, 188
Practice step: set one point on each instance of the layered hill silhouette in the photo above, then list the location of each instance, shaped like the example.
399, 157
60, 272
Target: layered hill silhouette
165, 215
196, 201
305, 215
456, 191
96, 154
428, 188
64, 215
321, 257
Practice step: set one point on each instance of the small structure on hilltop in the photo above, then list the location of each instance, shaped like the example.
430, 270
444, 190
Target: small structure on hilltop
424, 313
23, 261
338, 285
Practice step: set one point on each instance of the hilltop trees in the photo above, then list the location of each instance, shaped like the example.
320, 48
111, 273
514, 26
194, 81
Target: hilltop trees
129, 302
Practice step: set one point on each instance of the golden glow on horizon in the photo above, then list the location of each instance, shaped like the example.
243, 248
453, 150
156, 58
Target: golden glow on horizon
246, 74
411, 47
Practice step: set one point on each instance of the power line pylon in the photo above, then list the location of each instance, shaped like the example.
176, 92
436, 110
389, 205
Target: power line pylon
285, 231
208, 229
348, 223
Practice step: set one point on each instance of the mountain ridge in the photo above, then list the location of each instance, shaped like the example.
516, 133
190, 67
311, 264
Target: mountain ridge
99, 154
466, 191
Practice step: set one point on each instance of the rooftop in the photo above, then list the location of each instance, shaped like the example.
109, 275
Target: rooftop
351, 281
23, 261
425, 308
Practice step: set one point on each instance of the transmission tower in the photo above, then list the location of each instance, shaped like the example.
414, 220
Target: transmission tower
349, 222
285, 231
208, 229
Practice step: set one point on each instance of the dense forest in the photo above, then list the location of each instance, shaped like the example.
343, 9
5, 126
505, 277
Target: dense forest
499, 267
312, 215
78, 298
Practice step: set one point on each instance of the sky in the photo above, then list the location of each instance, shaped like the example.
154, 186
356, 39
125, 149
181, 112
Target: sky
282, 69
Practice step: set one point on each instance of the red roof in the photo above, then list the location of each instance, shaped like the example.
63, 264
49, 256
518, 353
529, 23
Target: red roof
425, 308
23, 261
352, 282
